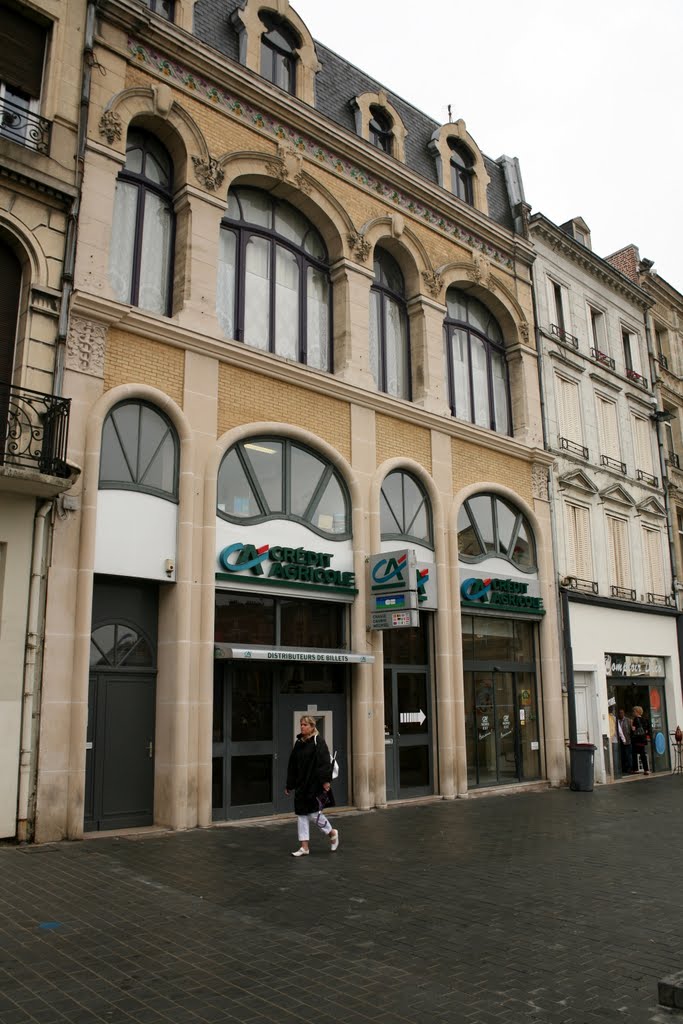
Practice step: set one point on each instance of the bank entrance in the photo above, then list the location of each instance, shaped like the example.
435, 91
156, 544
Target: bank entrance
408, 718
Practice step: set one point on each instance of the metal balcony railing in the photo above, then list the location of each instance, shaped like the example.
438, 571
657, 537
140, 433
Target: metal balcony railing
637, 378
34, 430
565, 336
602, 357
664, 599
605, 460
673, 460
647, 477
576, 583
574, 447
623, 593
20, 125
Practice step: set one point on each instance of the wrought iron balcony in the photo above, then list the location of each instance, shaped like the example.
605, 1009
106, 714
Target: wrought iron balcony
20, 125
605, 460
602, 357
34, 430
564, 336
663, 599
573, 447
647, 477
576, 583
623, 593
637, 378
673, 460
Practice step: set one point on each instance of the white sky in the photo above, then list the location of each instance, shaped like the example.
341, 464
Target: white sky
587, 93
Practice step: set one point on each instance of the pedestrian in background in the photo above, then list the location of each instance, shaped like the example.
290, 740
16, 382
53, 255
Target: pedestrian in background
625, 745
640, 730
309, 777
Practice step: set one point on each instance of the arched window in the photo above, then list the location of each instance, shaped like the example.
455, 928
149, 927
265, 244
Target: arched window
278, 52
275, 478
274, 288
380, 129
139, 451
489, 526
405, 512
140, 263
462, 166
118, 645
10, 293
389, 352
476, 365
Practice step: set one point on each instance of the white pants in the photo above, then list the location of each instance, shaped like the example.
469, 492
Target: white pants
303, 825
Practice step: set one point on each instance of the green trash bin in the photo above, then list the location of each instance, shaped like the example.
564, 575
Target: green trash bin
582, 764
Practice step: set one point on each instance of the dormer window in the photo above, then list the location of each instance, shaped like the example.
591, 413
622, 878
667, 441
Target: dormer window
380, 129
461, 171
278, 53
164, 8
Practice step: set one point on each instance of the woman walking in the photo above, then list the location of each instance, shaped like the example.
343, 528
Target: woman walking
309, 777
640, 729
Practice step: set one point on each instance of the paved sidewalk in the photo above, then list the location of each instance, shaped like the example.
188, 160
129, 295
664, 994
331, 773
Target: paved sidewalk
553, 907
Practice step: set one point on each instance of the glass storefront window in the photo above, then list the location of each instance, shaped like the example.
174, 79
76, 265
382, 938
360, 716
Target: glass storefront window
244, 619
406, 646
311, 624
489, 525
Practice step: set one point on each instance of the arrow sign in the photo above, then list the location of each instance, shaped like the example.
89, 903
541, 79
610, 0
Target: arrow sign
411, 717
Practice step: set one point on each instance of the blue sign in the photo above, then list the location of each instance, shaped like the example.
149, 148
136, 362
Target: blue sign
660, 743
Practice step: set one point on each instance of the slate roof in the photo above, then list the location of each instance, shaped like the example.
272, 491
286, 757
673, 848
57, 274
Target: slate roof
336, 84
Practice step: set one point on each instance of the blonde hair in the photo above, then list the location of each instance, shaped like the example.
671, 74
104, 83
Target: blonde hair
638, 711
310, 720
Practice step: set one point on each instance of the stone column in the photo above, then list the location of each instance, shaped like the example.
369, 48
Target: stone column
351, 319
446, 698
427, 355
198, 223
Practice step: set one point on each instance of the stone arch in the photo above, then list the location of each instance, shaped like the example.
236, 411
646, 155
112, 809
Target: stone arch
442, 156
27, 248
476, 279
393, 235
250, 28
362, 105
435, 499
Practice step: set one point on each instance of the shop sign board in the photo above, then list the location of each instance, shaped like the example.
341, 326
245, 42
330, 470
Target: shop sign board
500, 594
284, 565
393, 571
394, 620
634, 666
399, 583
239, 653
426, 586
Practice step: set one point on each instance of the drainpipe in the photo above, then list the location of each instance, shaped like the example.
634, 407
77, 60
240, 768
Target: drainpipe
34, 646
569, 665
72, 219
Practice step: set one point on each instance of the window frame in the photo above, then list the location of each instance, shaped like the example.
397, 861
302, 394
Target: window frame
385, 292
380, 137
154, 6
290, 57
450, 326
462, 171
520, 520
426, 503
287, 443
243, 231
124, 485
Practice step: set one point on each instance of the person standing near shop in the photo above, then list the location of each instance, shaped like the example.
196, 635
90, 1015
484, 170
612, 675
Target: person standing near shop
309, 777
640, 730
625, 743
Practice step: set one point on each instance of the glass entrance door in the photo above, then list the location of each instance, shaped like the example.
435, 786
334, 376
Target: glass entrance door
243, 751
648, 694
501, 727
407, 732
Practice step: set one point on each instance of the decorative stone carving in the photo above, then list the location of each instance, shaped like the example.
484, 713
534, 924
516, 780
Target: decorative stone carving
85, 346
209, 173
524, 332
277, 169
539, 482
360, 246
303, 183
111, 126
434, 282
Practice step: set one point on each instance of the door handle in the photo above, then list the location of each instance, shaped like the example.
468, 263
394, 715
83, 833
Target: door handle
150, 749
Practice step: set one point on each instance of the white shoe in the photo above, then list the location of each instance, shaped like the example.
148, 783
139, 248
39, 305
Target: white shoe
301, 852
335, 842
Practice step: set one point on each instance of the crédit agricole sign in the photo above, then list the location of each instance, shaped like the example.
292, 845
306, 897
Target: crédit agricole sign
288, 566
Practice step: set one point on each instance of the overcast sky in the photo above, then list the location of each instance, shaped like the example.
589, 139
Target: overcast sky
586, 93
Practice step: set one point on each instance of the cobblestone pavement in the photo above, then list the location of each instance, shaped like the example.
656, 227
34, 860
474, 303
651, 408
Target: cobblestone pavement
551, 907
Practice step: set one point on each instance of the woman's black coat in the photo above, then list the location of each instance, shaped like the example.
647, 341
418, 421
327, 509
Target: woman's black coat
309, 767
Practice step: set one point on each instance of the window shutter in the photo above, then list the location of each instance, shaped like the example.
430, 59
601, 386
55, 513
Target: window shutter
654, 564
619, 566
608, 428
642, 444
579, 545
569, 410
22, 52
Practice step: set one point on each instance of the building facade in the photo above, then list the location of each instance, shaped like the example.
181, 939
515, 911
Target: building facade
40, 76
308, 406
609, 495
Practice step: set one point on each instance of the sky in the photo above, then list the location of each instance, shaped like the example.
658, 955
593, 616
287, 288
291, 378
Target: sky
588, 95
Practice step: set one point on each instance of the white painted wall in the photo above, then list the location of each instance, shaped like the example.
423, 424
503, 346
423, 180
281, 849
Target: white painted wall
135, 535
282, 533
16, 537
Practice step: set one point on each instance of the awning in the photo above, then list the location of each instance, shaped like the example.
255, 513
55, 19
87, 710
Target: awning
291, 654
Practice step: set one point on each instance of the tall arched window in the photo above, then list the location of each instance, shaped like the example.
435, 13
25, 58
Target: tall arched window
274, 289
461, 171
405, 512
278, 52
389, 351
275, 478
489, 526
140, 262
476, 365
139, 451
10, 293
380, 129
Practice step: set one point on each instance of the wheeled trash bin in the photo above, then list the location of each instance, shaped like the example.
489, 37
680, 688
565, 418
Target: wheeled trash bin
581, 762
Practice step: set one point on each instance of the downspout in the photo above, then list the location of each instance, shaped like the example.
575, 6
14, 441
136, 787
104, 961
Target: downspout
72, 218
569, 665
34, 646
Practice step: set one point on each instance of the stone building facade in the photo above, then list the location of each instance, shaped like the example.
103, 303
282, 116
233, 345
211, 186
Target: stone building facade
609, 494
305, 400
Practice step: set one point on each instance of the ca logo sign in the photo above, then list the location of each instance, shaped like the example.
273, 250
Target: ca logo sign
248, 557
390, 570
